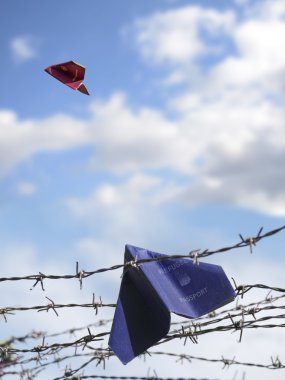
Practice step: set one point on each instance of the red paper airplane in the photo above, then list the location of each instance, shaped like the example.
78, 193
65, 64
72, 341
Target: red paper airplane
69, 73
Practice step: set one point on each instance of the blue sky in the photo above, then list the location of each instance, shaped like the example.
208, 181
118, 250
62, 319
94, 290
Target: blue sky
179, 146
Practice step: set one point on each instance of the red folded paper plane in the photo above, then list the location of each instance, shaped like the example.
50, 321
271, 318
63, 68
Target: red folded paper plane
69, 73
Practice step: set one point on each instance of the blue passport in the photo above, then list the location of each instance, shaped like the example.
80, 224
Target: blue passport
151, 291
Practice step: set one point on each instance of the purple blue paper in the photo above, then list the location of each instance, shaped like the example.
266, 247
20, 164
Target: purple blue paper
149, 293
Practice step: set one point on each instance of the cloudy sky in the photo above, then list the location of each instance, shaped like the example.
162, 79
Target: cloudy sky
180, 145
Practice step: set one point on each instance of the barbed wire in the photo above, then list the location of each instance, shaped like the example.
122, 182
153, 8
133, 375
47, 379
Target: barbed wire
274, 364
110, 377
9, 310
192, 332
234, 319
250, 308
100, 355
138, 378
195, 255
41, 334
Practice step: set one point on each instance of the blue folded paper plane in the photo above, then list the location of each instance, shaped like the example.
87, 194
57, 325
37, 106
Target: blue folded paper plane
151, 291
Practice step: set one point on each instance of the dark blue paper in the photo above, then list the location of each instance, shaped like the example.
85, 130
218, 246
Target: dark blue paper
150, 292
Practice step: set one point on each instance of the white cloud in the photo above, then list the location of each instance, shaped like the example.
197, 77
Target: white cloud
269, 9
175, 35
127, 210
227, 142
124, 140
183, 34
259, 61
26, 188
20, 140
239, 141
24, 47
233, 142
227, 137
131, 141
233, 115
137, 189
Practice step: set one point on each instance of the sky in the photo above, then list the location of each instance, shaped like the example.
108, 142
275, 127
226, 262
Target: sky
179, 146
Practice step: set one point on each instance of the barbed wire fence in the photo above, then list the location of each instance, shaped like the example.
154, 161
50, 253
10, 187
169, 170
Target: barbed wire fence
27, 356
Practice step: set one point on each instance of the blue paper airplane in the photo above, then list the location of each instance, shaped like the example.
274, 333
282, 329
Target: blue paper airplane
151, 291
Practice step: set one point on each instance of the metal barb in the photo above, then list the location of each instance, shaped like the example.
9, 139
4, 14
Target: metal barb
190, 334
276, 363
239, 288
95, 304
195, 256
39, 279
88, 338
250, 241
134, 263
101, 359
227, 362
80, 274
238, 325
182, 357
50, 306
38, 349
4, 312
68, 371
253, 310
